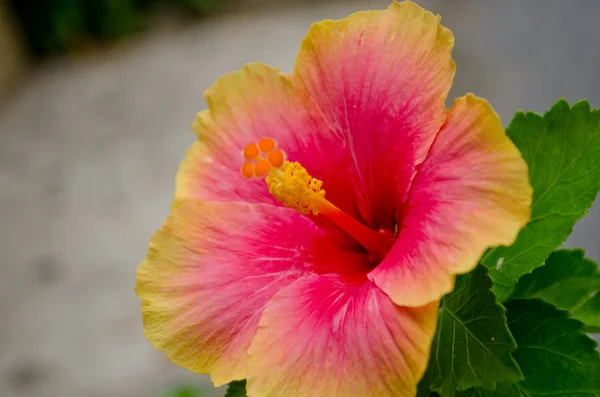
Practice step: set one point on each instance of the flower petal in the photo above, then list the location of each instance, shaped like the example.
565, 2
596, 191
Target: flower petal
472, 192
210, 271
332, 336
380, 78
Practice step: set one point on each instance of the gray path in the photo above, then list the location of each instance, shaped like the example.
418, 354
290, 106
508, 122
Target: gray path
88, 150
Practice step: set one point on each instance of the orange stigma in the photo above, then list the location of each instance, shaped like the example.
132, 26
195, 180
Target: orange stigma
251, 151
292, 186
260, 158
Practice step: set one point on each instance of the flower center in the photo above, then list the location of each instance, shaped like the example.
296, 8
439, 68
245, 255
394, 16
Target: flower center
292, 185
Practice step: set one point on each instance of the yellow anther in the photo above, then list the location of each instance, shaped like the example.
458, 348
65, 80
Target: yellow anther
295, 188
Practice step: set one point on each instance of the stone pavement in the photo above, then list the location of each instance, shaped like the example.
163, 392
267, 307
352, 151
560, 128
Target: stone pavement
88, 150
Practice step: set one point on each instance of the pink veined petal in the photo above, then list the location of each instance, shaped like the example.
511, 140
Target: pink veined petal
380, 78
472, 192
330, 336
210, 271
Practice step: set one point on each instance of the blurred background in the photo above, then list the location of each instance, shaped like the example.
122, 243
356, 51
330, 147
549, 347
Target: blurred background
96, 103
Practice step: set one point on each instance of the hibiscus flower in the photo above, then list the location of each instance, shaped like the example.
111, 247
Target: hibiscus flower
318, 270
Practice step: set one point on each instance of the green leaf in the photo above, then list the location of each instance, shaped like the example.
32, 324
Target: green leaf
503, 390
562, 150
569, 281
473, 345
184, 391
557, 358
236, 389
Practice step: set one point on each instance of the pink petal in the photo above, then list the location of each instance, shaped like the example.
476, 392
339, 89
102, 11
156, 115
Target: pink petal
380, 78
339, 337
212, 268
472, 192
